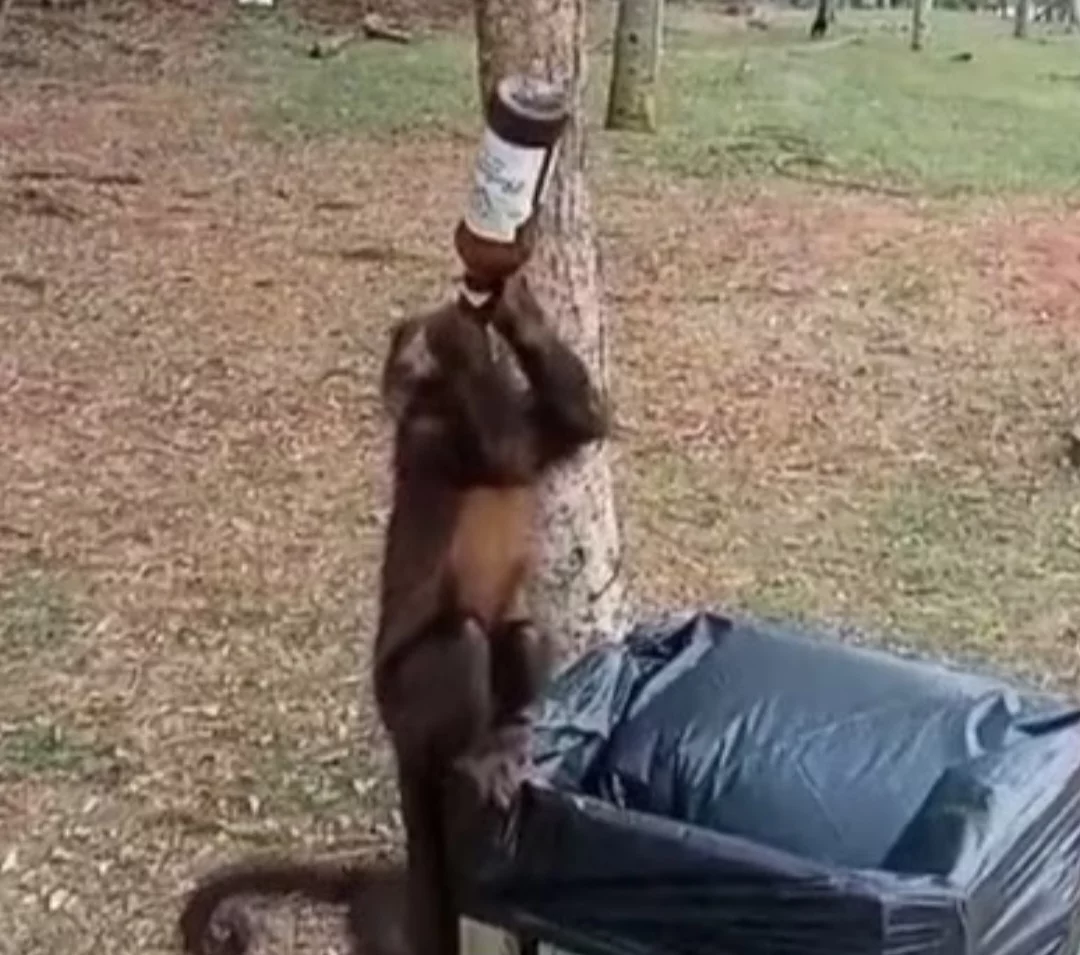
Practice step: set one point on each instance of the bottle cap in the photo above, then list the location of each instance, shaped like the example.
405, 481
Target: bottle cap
544, 101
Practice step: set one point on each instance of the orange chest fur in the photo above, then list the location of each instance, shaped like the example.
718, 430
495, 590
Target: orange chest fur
490, 553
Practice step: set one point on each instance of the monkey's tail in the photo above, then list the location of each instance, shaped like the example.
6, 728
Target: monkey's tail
432, 907
331, 883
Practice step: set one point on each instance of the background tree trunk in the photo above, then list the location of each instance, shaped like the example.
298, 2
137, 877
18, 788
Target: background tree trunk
578, 595
1023, 15
823, 18
1073, 15
919, 9
634, 70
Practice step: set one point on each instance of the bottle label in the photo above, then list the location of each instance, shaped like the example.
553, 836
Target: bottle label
547, 174
504, 188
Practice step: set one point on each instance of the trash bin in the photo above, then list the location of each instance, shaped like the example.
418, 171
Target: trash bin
722, 786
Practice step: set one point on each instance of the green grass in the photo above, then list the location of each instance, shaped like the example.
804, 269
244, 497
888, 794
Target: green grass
36, 613
35, 748
874, 108
372, 89
972, 569
972, 566
379, 87
744, 103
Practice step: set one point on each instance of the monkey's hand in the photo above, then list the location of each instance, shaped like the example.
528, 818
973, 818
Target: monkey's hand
499, 766
457, 341
518, 316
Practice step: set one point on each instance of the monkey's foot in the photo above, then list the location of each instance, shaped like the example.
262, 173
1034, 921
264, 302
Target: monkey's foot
500, 764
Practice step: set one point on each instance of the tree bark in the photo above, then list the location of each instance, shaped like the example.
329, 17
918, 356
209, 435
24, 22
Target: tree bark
635, 67
1073, 15
919, 9
578, 593
1023, 15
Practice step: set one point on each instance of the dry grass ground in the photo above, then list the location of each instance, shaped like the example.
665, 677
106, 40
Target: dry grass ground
831, 404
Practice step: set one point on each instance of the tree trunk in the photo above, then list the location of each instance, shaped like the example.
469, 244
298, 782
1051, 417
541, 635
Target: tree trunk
1073, 14
578, 594
1023, 14
919, 10
634, 69
823, 19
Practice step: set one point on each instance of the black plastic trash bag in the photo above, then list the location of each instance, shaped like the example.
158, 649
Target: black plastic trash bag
724, 787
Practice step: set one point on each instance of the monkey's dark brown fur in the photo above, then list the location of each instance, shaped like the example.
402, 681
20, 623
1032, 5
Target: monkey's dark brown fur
455, 660
374, 898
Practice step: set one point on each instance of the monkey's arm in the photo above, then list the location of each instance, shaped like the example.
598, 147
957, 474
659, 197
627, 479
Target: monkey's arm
567, 411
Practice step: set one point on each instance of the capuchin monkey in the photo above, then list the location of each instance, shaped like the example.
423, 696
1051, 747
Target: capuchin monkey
456, 661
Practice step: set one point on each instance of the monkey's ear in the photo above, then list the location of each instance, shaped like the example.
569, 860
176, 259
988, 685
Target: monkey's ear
411, 351
396, 333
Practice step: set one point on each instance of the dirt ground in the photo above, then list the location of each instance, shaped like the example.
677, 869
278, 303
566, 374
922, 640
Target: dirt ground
192, 477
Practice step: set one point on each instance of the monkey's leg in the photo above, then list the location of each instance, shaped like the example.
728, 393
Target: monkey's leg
441, 694
521, 661
377, 917
442, 704
449, 715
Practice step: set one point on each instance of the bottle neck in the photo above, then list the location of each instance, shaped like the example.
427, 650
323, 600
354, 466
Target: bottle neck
473, 297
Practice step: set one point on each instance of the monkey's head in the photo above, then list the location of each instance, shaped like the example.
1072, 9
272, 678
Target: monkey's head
426, 353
